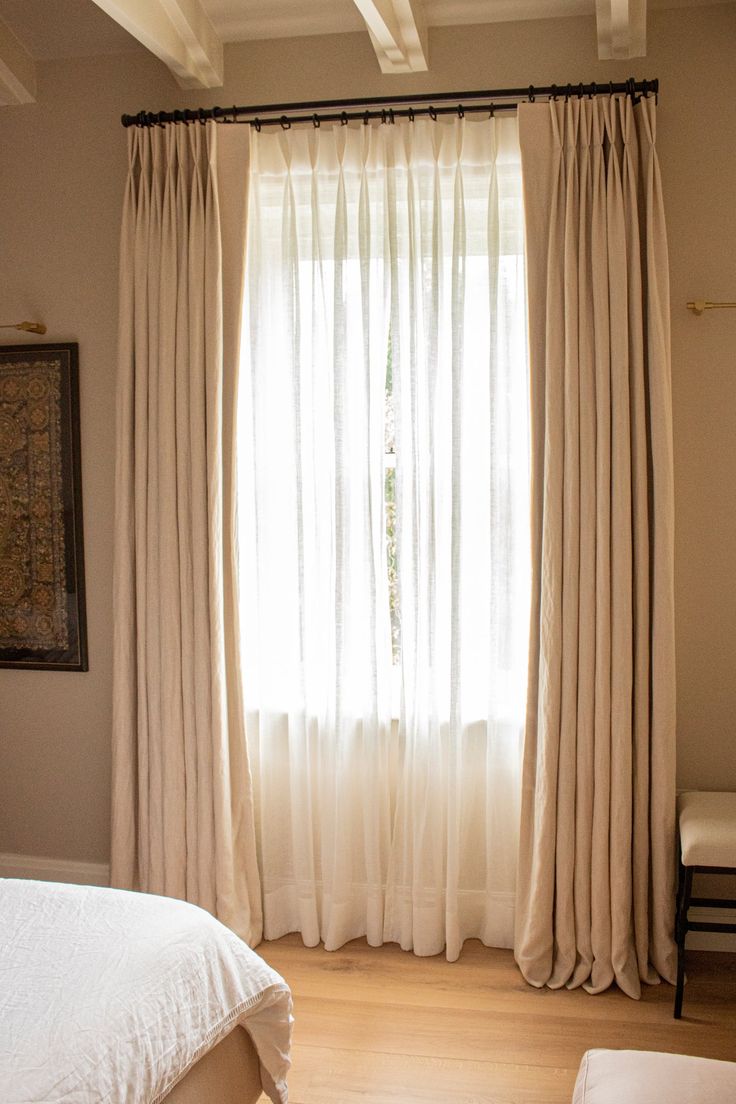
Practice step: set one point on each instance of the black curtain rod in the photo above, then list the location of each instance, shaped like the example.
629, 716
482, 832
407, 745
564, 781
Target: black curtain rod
390, 106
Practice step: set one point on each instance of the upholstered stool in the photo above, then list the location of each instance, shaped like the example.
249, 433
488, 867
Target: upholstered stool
707, 824
646, 1077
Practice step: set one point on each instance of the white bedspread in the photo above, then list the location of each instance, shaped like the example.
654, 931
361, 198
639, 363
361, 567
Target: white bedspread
111, 996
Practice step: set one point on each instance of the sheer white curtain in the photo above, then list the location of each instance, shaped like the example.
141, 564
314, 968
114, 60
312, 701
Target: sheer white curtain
384, 499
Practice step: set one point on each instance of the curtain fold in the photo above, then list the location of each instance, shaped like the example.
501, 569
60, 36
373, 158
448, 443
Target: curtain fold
182, 809
595, 898
384, 529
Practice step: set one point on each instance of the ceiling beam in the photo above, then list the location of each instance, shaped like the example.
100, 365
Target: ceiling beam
17, 70
178, 32
622, 28
398, 33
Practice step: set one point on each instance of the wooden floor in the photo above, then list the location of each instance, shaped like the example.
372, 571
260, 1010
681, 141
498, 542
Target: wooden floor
380, 1026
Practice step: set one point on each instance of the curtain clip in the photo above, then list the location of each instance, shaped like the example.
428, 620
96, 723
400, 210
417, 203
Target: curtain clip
285, 123
316, 122
460, 111
531, 93
432, 112
343, 118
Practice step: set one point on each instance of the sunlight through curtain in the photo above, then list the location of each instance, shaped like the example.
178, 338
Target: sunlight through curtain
384, 529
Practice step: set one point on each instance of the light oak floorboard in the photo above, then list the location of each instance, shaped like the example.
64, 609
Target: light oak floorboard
377, 1025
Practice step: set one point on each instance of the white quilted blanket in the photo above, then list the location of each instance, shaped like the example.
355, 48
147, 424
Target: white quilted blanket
109, 996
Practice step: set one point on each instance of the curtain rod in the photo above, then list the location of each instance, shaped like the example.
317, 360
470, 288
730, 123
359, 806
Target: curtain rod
382, 107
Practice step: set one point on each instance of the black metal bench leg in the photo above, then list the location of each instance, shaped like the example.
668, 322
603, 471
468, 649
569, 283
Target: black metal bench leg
683, 904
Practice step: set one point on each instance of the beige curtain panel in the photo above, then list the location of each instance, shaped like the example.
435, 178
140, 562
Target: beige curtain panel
182, 820
595, 899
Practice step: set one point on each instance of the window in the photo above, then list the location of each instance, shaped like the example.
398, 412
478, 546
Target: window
385, 477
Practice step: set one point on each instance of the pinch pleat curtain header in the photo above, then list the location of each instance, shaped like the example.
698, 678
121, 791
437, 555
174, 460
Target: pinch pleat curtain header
326, 151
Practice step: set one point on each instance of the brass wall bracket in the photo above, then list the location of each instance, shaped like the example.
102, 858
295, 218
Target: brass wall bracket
699, 306
29, 327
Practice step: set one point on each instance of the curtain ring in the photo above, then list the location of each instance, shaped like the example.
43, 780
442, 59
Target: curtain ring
391, 116
366, 118
531, 93
202, 116
491, 110
568, 93
581, 91
460, 111
610, 88
285, 123
343, 118
432, 111
410, 114
593, 91
554, 93
257, 124
315, 122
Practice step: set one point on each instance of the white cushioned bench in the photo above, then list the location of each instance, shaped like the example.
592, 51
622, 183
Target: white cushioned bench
707, 826
647, 1077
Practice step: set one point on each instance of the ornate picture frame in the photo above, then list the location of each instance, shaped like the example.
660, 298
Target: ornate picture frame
42, 600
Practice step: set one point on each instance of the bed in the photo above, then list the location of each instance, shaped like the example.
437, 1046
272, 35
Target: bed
126, 998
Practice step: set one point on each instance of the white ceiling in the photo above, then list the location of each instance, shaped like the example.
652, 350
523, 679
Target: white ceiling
188, 35
79, 28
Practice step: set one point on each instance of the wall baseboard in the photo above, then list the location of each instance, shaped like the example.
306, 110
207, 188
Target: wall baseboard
54, 870
712, 941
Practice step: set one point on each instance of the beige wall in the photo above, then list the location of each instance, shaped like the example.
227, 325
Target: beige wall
61, 178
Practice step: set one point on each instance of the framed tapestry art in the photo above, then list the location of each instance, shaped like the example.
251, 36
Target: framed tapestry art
42, 612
